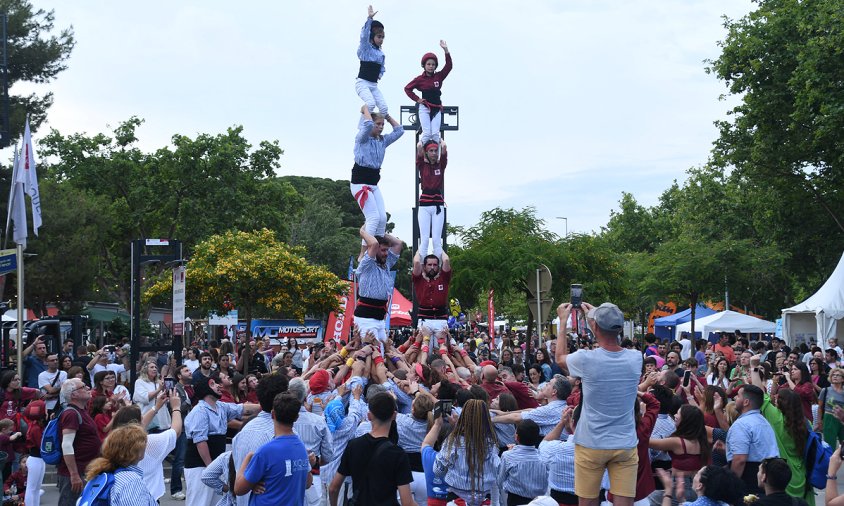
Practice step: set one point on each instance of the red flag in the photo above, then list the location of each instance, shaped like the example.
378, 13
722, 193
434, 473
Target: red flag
491, 316
339, 324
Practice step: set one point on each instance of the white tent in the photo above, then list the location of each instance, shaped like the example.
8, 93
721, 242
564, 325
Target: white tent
816, 319
728, 321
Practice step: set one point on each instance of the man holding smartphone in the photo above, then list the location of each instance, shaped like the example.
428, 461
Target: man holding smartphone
605, 438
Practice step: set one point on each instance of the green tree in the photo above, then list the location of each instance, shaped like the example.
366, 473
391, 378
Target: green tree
784, 63
65, 261
36, 55
261, 275
196, 188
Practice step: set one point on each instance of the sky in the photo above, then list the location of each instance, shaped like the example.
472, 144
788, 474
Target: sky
563, 104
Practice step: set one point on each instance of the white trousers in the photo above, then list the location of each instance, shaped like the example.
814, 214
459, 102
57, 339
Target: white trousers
371, 95
434, 325
418, 488
373, 208
196, 492
430, 228
377, 327
430, 127
313, 494
34, 479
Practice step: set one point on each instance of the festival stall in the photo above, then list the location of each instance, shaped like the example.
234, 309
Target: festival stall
728, 321
818, 318
665, 328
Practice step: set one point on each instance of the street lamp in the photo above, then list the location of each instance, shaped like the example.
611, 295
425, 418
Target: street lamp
567, 224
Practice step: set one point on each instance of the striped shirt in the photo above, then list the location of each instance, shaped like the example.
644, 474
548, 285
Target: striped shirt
367, 51
212, 476
374, 281
523, 472
547, 417
343, 434
663, 428
203, 420
314, 433
369, 150
403, 401
559, 456
453, 464
506, 432
411, 432
255, 434
129, 489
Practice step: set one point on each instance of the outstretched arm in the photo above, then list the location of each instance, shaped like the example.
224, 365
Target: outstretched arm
561, 355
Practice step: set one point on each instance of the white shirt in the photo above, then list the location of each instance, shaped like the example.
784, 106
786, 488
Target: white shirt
158, 447
117, 369
46, 378
161, 420
192, 365
686, 351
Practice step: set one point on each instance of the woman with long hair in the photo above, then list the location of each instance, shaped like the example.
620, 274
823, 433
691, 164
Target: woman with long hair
720, 374
122, 450
251, 386
710, 417
688, 446
791, 430
147, 387
799, 379
469, 457
819, 373
536, 377
541, 358
105, 385
65, 363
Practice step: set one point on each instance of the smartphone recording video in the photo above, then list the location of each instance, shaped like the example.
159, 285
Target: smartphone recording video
576, 295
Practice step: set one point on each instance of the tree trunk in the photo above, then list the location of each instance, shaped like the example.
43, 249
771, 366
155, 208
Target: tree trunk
693, 301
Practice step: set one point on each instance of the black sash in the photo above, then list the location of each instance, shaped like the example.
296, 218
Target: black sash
371, 308
415, 462
369, 71
216, 446
365, 175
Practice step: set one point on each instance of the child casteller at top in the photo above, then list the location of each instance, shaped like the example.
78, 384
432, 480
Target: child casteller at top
429, 84
371, 64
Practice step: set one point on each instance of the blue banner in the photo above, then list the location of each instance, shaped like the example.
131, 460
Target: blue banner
8, 261
280, 329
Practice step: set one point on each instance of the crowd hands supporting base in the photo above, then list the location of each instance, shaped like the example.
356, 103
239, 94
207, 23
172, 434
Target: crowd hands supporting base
440, 418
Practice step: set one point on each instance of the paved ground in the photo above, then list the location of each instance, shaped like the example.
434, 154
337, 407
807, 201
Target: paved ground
51, 494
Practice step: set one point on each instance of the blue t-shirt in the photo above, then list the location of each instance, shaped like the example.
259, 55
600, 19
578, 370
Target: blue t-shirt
435, 486
282, 464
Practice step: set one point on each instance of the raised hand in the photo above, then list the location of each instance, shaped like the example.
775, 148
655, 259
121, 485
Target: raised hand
370, 12
444, 45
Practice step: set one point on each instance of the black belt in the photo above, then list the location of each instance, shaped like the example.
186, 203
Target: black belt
371, 308
517, 500
365, 175
369, 71
415, 462
433, 313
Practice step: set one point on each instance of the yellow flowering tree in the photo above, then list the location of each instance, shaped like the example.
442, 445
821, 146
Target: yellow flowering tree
259, 274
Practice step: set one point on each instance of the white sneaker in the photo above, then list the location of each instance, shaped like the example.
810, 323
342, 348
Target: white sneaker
179, 496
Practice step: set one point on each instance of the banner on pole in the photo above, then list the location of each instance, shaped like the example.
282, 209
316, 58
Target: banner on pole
8, 261
491, 315
179, 300
340, 323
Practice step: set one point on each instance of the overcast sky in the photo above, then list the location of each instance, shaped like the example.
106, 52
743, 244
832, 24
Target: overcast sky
563, 104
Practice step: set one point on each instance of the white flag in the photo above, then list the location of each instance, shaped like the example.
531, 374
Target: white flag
17, 206
28, 176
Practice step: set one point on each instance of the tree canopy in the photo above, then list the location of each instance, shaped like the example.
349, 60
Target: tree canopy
35, 55
258, 273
